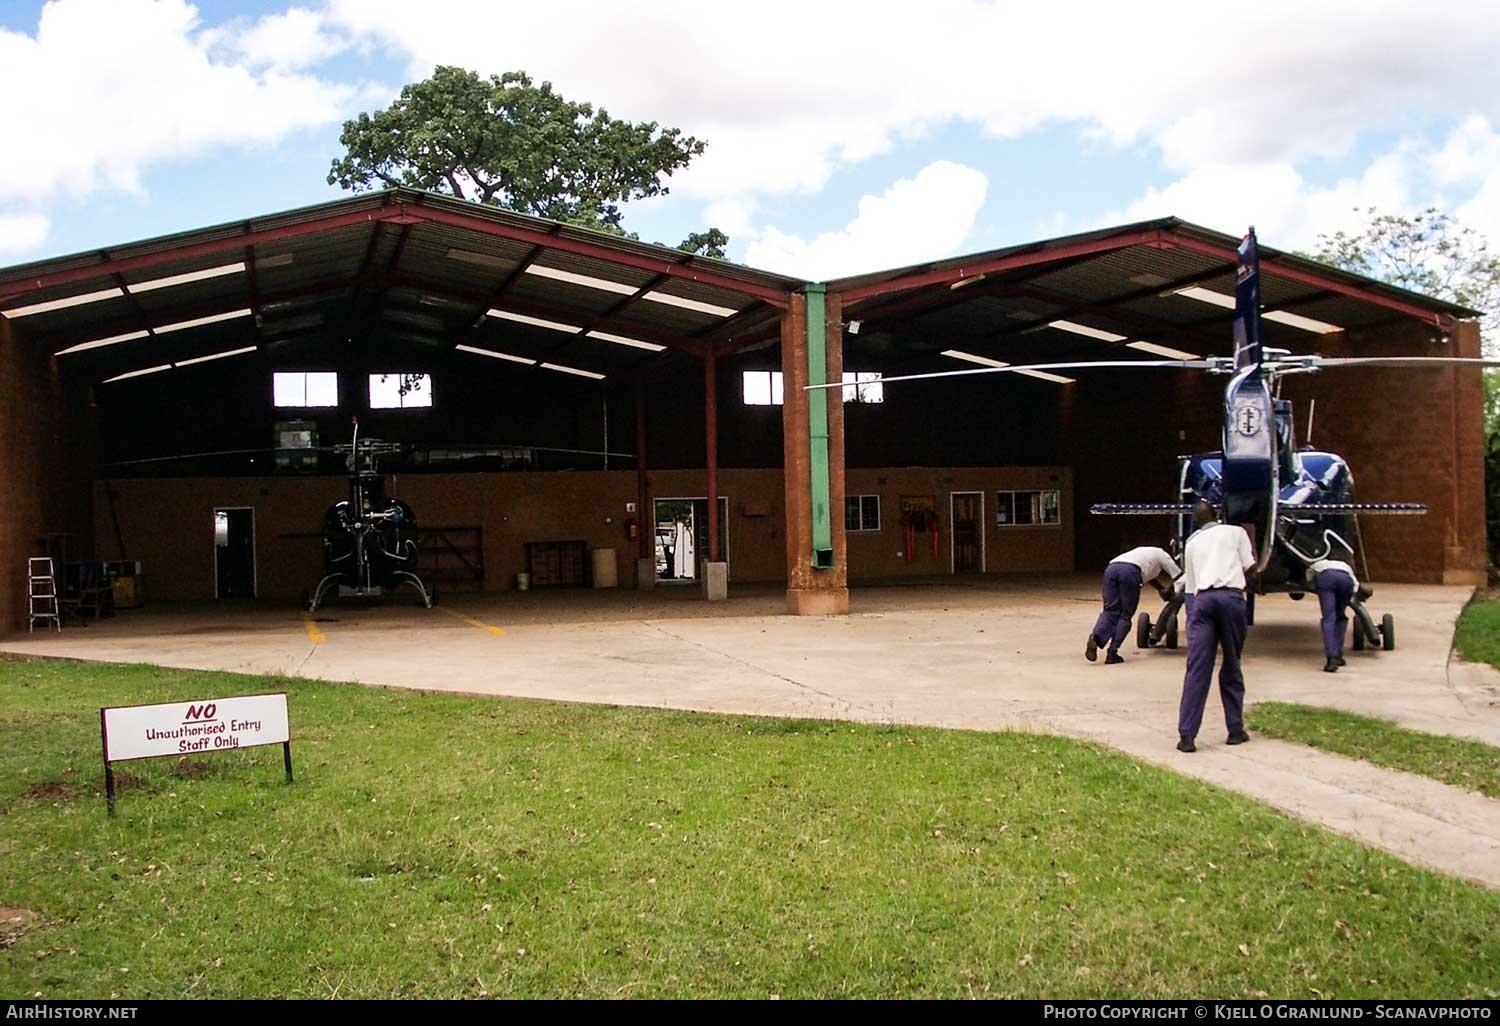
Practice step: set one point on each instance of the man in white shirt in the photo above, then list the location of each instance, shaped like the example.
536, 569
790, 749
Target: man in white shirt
1335, 583
1122, 593
1214, 564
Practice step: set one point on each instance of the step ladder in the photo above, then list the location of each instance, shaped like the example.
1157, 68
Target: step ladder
41, 588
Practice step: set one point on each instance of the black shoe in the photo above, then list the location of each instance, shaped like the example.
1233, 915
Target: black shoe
1332, 666
1091, 650
1239, 737
1112, 658
1339, 660
1185, 744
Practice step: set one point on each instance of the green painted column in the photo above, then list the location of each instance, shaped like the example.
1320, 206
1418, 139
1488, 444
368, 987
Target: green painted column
817, 429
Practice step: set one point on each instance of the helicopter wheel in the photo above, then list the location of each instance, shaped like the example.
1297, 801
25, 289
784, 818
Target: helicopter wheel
1359, 636
432, 599
1143, 631
1388, 632
1172, 632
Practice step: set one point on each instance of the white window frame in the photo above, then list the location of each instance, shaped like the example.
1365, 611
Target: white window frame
774, 387
862, 529
863, 387
425, 392
1013, 492
304, 404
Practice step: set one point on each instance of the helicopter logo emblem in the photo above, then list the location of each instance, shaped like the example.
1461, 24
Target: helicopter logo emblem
1247, 421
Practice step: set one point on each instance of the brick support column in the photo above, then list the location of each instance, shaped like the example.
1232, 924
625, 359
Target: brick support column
1465, 553
810, 591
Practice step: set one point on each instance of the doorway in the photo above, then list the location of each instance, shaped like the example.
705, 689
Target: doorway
966, 517
681, 529
234, 552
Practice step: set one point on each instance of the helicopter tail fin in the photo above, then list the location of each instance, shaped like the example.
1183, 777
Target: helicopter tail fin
1247, 347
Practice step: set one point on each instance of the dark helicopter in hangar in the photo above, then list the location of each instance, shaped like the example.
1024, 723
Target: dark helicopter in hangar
369, 540
1298, 505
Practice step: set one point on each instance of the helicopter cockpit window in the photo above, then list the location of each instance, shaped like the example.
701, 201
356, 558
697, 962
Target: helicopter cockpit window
396, 391
303, 389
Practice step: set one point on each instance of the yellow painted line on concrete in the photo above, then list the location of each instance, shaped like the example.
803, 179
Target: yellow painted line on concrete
496, 631
314, 633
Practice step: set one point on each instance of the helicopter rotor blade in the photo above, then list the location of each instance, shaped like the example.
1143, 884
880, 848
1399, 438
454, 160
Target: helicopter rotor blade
1024, 367
1401, 361
1407, 509
1140, 509
216, 452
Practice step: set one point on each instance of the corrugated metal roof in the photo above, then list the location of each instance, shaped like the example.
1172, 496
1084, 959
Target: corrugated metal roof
404, 266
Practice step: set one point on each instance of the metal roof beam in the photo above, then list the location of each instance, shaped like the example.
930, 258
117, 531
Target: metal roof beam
120, 265
1274, 266
995, 265
579, 247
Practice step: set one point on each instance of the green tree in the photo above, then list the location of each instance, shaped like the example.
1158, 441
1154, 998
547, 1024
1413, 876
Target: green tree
507, 142
1430, 252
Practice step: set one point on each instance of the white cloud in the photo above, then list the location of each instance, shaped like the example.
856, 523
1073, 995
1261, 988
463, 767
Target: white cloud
296, 39
22, 232
1290, 213
106, 89
920, 218
1279, 81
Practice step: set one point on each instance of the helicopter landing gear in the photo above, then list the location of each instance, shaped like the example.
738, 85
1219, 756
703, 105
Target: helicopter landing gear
429, 598
1165, 629
324, 586
1367, 634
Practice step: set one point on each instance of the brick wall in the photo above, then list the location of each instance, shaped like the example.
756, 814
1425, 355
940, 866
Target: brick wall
46, 464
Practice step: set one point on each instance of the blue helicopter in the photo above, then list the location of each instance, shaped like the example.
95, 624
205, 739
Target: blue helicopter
1297, 505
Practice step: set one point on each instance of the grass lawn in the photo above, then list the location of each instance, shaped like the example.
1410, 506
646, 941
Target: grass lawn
1478, 636
438, 846
1472, 765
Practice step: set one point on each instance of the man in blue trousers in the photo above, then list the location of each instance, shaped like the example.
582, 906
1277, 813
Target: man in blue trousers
1336, 585
1214, 562
1123, 579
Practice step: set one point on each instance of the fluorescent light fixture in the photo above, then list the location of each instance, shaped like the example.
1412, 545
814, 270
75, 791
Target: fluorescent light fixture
200, 321
957, 355
215, 356
278, 260
622, 340
1043, 375
967, 281
587, 281
986, 361
136, 374
689, 304
1204, 295
572, 370
468, 256
1298, 321
1085, 330
537, 322
63, 304
129, 336
1167, 351
499, 356
183, 279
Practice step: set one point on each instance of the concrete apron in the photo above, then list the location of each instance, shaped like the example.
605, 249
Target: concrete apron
1001, 653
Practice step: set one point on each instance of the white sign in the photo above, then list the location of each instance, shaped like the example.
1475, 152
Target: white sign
178, 728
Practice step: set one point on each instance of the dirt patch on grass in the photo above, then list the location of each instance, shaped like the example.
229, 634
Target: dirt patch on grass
49, 789
190, 767
124, 782
14, 922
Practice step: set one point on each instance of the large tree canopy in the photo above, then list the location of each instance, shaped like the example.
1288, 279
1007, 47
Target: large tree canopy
510, 143
1431, 253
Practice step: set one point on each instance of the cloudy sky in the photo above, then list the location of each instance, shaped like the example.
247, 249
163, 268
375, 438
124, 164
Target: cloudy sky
843, 136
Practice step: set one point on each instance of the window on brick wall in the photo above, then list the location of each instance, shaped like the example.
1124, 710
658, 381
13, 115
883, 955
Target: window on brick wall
861, 513
304, 389
400, 391
763, 388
